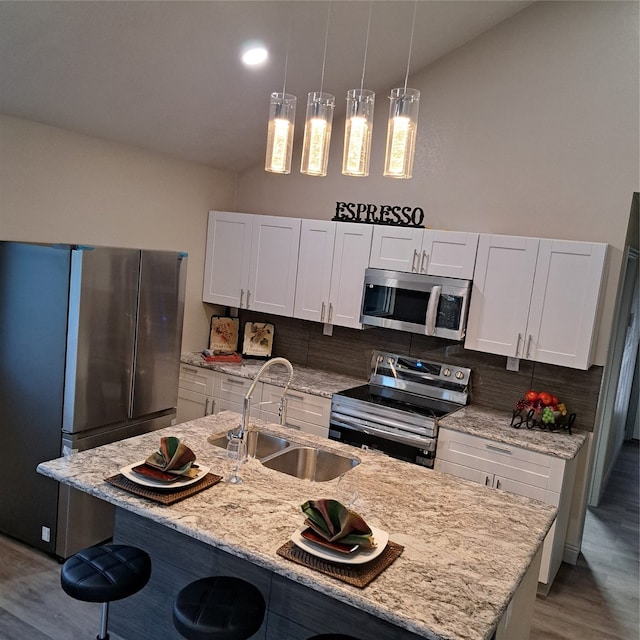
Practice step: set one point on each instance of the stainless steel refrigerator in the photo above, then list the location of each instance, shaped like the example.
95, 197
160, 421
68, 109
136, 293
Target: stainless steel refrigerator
89, 354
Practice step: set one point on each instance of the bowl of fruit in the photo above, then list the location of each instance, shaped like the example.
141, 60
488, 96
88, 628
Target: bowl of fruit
541, 409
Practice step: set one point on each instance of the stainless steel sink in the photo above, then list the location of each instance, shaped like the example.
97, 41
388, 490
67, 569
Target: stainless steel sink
259, 445
309, 463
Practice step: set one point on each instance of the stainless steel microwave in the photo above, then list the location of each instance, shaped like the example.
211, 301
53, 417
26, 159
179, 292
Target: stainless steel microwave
430, 305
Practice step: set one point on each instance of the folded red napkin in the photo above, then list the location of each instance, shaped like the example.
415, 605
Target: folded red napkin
334, 522
173, 457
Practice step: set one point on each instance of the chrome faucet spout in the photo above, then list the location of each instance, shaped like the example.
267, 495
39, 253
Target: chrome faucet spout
246, 400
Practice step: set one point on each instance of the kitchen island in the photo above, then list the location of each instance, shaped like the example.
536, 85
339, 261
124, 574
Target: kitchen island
468, 570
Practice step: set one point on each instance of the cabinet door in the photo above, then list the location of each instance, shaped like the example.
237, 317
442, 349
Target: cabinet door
396, 248
448, 253
315, 261
226, 271
564, 302
460, 471
501, 294
273, 265
350, 259
519, 488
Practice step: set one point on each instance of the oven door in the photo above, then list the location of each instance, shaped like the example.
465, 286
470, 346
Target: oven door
403, 446
416, 303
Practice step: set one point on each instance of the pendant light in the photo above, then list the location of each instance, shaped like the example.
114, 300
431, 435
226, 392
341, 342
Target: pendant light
358, 124
282, 120
403, 124
319, 118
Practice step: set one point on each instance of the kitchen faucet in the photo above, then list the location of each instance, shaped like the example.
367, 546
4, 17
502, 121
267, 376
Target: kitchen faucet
247, 397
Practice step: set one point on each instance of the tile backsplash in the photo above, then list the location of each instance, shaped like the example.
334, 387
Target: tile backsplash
348, 351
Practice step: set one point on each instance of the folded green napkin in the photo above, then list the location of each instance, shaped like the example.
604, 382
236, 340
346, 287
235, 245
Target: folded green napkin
334, 522
173, 457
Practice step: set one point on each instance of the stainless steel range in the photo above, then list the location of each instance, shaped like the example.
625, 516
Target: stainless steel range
398, 411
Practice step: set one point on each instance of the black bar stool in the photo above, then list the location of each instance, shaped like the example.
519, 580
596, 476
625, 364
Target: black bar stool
104, 574
332, 636
218, 608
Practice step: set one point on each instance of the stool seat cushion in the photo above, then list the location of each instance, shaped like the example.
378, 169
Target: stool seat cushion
220, 607
105, 573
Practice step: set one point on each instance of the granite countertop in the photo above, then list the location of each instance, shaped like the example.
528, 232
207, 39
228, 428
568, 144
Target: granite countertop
466, 547
305, 380
496, 425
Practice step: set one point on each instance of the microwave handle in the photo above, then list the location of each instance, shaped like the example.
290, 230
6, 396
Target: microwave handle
432, 311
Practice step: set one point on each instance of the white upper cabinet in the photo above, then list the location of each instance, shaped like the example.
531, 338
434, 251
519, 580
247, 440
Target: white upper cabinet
251, 261
428, 251
226, 269
350, 258
332, 261
536, 299
314, 270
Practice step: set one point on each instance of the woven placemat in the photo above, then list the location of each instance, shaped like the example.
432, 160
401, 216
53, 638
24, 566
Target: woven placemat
163, 496
358, 575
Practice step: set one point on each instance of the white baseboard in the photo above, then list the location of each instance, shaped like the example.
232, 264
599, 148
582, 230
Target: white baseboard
571, 554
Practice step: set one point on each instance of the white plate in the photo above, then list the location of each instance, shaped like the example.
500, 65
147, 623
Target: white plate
157, 484
357, 557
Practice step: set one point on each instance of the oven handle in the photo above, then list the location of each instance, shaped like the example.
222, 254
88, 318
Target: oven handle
368, 417
348, 422
432, 310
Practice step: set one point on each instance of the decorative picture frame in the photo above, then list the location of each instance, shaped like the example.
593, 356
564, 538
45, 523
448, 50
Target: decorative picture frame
223, 335
258, 339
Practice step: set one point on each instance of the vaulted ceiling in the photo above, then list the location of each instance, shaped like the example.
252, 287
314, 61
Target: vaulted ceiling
167, 76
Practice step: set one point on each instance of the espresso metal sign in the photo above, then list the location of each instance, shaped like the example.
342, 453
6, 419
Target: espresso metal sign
379, 214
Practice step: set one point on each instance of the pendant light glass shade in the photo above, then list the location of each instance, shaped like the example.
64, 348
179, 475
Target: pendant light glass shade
317, 133
358, 127
401, 133
282, 117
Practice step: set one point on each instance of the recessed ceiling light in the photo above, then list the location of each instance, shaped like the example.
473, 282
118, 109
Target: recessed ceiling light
255, 56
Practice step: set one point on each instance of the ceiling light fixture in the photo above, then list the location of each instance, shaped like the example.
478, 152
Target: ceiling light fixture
255, 56
403, 124
358, 124
282, 120
317, 129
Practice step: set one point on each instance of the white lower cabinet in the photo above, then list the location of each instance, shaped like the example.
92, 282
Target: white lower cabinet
306, 412
542, 477
197, 392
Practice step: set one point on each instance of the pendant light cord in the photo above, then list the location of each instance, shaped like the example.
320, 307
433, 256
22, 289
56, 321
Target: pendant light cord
286, 59
326, 40
366, 44
413, 25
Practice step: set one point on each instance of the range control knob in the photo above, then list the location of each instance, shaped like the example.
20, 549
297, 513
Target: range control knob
459, 375
446, 372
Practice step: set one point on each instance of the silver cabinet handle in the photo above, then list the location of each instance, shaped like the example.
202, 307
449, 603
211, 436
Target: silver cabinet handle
206, 406
486, 481
188, 370
424, 263
241, 296
528, 345
432, 310
322, 313
416, 256
492, 447
518, 344
498, 484
292, 396
248, 295
330, 313
235, 381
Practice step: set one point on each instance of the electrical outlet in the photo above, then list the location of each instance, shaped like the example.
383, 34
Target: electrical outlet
513, 364
46, 534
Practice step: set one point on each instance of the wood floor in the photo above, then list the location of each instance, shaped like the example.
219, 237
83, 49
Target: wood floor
595, 600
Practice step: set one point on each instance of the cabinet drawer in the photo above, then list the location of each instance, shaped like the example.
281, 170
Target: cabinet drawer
509, 462
197, 380
233, 388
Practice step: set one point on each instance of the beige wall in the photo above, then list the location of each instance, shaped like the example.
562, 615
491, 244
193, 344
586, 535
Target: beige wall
530, 129
57, 186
